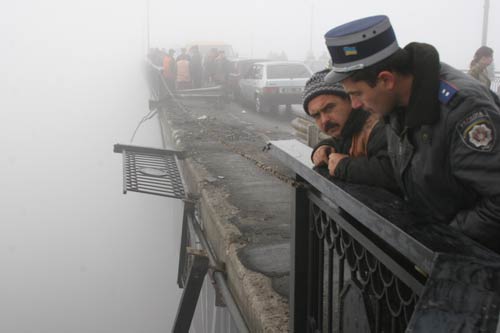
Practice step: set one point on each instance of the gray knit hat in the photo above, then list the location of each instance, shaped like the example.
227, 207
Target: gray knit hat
316, 86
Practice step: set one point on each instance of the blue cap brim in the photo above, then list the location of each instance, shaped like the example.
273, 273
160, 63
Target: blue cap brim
335, 77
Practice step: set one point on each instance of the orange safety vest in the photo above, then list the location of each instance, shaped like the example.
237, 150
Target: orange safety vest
168, 62
183, 73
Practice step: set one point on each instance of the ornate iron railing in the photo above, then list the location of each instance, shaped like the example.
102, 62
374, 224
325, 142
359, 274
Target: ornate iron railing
364, 287
360, 262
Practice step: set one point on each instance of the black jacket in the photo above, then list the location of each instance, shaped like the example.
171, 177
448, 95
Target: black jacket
374, 167
444, 148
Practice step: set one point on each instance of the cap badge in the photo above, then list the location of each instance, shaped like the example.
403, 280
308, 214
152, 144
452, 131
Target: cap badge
350, 50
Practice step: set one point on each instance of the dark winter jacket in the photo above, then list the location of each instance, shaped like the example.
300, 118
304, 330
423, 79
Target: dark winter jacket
363, 139
444, 148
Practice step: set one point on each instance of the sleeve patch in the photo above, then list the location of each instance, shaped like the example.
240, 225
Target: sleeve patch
477, 131
446, 92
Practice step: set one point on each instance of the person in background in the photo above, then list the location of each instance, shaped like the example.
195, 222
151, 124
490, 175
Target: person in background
196, 67
209, 66
479, 65
357, 149
183, 78
183, 55
222, 69
169, 69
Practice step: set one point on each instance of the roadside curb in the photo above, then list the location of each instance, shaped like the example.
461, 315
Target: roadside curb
263, 308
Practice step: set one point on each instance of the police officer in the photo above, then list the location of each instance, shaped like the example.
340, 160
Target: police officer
442, 125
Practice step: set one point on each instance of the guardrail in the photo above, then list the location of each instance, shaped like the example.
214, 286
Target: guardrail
360, 262
307, 132
161, 90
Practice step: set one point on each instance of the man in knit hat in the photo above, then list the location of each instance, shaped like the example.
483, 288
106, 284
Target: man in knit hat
356, 151
442, 125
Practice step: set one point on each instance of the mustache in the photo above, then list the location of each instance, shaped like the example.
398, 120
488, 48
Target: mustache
330, 125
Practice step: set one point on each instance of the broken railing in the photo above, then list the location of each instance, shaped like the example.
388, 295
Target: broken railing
159, 172
361, 263
161, 91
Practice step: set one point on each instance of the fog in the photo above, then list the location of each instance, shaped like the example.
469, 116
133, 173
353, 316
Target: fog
76, 254
257, 27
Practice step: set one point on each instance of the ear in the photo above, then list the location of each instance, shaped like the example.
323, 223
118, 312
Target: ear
388, 79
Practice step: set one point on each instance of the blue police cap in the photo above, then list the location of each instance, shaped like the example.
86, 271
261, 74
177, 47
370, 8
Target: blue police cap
359, 44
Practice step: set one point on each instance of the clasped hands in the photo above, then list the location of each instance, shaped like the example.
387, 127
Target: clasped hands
326, 155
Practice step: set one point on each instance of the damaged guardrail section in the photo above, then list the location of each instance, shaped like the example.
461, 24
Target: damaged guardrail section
360, 262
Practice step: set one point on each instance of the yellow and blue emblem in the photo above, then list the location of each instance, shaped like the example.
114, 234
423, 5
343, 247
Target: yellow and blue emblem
350, 50
477, 131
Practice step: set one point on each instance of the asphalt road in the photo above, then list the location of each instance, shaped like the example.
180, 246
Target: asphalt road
269, 125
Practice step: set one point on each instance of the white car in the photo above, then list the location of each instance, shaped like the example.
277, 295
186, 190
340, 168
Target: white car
273, 83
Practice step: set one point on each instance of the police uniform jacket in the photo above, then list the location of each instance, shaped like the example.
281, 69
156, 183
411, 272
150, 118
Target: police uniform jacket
444, 148
363, 139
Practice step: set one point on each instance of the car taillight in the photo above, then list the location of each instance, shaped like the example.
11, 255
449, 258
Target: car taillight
270, 90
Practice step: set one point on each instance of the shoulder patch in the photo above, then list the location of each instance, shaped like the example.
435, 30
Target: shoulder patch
446, 92
477, 131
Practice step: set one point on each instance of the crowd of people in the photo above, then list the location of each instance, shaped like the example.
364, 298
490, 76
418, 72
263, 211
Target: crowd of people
191, 69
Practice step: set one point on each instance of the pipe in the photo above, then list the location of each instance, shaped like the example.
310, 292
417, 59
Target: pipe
219, 277
486, 13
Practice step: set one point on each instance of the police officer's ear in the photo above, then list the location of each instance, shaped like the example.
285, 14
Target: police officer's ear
387, 79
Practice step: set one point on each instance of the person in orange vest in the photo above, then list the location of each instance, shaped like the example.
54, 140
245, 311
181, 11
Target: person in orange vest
183, 78
169, 69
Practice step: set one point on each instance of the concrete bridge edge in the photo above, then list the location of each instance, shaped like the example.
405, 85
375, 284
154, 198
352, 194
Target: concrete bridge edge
263, 308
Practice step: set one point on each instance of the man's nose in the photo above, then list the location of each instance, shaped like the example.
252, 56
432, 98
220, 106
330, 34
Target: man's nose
356, 103
324, 120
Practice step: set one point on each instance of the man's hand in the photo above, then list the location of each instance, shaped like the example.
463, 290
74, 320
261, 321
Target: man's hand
333, 161
321, 154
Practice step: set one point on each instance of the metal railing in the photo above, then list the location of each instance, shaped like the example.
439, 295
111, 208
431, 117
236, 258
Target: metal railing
193, 237
307, 131
161, 89
361, 263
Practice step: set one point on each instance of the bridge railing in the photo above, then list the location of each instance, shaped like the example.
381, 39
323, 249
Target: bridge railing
161, 90
360, 262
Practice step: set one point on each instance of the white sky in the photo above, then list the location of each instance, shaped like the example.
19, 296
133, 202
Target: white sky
453, 26
76, 254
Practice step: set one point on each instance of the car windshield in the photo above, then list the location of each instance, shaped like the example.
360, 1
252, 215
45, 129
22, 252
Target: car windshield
287, 71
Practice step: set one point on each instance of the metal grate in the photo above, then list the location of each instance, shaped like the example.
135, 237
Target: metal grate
152, 171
